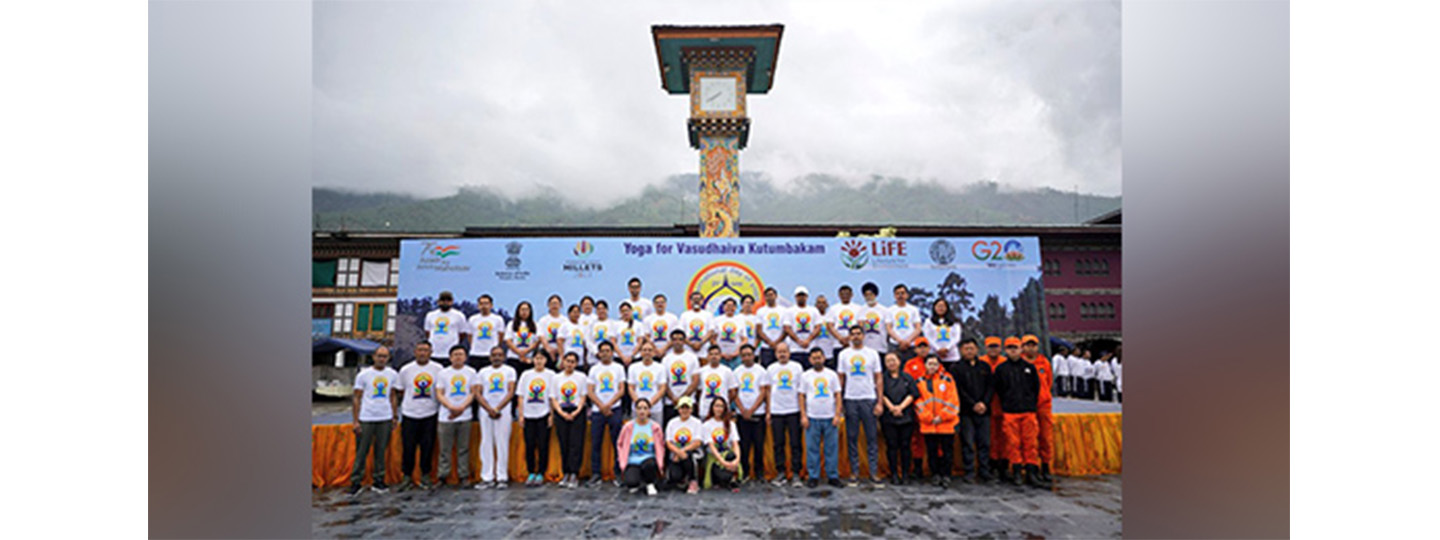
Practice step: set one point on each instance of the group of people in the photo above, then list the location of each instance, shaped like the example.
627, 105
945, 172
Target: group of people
687, 399
1079, 376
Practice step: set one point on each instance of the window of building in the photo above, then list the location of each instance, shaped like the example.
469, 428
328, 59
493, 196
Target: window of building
394, 276
1052, 267
322, 311
344, 317
322, 273
348, 273
370, 318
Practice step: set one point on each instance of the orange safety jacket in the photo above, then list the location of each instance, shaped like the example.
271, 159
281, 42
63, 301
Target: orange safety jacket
938, 399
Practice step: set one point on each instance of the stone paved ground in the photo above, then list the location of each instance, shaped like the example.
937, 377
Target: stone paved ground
1077, 508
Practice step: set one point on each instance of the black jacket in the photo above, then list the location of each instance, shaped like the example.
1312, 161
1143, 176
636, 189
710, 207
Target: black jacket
1018, 385
896, 388
974, 385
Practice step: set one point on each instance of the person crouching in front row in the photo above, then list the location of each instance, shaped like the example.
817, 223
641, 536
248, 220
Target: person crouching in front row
638, 451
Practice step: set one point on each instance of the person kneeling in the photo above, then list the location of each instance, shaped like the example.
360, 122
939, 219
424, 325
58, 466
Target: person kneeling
722, 442
638, 452
682, 440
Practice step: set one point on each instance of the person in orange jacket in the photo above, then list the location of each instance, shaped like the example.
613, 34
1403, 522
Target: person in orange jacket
1018, 385
999, 464
915, 367
938, 411
1044, 415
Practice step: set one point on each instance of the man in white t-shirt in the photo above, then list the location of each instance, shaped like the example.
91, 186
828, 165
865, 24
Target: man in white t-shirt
496, 394
782, 413
824, 338
904, 322
487, 329
445, 326
681, 368
647, 379
606, 392
455, 391
696, 324
874, 318
801, 322
660, 323
571, 337
821, 416
715, 380
770, 327
373, 408
1061, 364
860, 373
550, 324
729, 331
752, 390
419, 412
643, 308
587, 309
602, 329
628, 333
840, 317
1105, 378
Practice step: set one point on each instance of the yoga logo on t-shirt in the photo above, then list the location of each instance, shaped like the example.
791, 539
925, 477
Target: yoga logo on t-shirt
902, 321
727, 332
484, 330
747, 383
677, 372
641, 443
872, 322
847, 318
442, 326
942, 334
682, 436
537, 391
822, 388
554, 330
660, 327
568, 392
627, 337
785, 380
606, 382
857, 365
599, 334
697, 327
772, 322
712, 384
524, 335
646, 382
457, 386
802, 322
381, 386
577, 339
718, 435
497, 382
423, 383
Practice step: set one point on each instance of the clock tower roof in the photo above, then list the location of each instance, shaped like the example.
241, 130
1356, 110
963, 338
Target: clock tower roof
755, 48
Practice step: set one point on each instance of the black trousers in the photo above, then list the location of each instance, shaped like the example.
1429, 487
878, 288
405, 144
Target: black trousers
939, 449
721, 477
679, 472
571, 435
638, 475
1107, 391
752, 441
974, 441
785, 431
599, 424
897, 445
766, 357
418, 433
537, 442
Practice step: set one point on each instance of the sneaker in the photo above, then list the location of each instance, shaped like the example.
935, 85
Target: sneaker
379, 487
795, 483
427, 485
694, 488
778, 482
482, 485
502, 484
405, 485
650, 490
811, 483
635, 489
354, 489
853, 482
836, 483
876, 482
594, 481
615, 482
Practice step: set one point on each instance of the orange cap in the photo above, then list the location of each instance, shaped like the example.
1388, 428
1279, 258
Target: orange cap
1012, 340
1028, 338
992, 340
921, 341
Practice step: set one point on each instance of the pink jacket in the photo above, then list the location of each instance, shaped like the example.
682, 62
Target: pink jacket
622, 444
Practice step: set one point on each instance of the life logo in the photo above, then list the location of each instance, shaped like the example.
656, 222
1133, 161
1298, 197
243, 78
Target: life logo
725, 279
568, 391
854, 255
583, 265
423, 385
537, 391
994, 250
875, 252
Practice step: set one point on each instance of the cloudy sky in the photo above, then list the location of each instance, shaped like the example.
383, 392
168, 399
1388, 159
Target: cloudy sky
424, 98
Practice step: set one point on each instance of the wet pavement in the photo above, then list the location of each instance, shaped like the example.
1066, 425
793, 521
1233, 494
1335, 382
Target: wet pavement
1080, 507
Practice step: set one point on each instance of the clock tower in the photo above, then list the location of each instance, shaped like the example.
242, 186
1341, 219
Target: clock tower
717, 66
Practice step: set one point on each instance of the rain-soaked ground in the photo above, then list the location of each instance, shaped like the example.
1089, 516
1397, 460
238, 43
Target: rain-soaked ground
1087, 507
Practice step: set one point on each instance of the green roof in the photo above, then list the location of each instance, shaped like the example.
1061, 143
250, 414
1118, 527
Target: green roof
670, 40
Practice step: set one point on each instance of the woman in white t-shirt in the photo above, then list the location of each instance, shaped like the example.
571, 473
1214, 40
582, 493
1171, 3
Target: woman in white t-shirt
522, 337
943, 333
683, 438
534, 391
722, 444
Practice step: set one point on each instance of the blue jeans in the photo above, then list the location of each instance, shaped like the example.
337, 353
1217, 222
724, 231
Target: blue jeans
822, 430
860, 412
599, 424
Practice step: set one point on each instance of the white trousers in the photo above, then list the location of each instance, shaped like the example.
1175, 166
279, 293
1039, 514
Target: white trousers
494, 447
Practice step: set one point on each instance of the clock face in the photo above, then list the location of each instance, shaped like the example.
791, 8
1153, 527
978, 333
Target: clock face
717, 94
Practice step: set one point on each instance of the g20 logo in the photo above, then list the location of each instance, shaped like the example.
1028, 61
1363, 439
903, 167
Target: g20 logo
993, 250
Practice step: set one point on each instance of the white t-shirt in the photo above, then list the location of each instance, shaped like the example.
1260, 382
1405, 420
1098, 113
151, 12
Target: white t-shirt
641, 307
418, 383
600, 331
534, 393
714, 431
659, 327
550, 326
1103, 373
874, 319
681, 432
1119, 380
485, 333
943, 337
772, 323
730, 333
570, 389
748, 382
1077, 366
804, 321
696, 325
906, 321
646, 381
522, 335
456, 384
820, 389
572, 339
1087, 369
714, 382
678, 368
493, 384
823, 338
749, 322
860, 368
375, 386
1061, 364
784, 387
627, 337
606, 379
445, 328
843, 316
